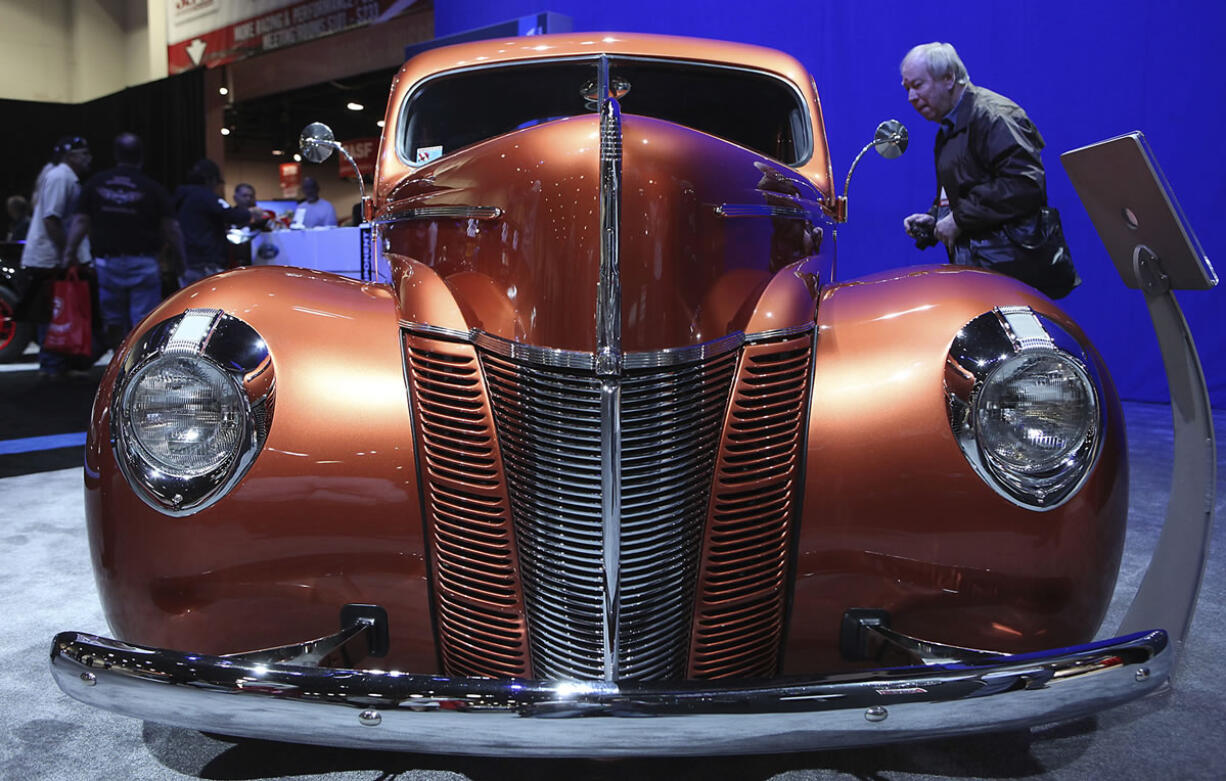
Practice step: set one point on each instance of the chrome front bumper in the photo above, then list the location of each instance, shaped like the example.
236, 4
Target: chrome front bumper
258, 697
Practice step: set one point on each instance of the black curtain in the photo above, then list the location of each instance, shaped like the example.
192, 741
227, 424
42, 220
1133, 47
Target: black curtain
167, 114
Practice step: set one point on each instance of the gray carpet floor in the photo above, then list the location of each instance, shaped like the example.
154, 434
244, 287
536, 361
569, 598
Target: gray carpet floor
46, 586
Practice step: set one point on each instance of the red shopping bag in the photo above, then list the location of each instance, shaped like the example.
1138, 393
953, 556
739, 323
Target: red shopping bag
71, 325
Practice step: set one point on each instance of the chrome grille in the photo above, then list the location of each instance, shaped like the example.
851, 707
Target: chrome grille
548, 422
510, 451
549, 428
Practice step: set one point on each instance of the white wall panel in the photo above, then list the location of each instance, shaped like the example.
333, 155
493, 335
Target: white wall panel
72, 51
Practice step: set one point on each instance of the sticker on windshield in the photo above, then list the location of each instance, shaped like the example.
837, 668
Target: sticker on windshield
427, 153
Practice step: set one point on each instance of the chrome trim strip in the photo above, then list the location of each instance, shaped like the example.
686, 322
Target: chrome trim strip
611, 524
760, 210
392, 710
236, 349
1026, 330
438, 332
778, 333
609, 287
441, 213
584, 361
540, 356
673, 356
609, 364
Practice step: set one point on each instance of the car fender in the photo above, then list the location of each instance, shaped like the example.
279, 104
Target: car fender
894, 517
329, 511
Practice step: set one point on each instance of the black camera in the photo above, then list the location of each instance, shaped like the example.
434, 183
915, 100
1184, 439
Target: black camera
924, 235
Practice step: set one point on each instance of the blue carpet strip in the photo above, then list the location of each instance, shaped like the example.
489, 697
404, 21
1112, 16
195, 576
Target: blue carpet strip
35, 444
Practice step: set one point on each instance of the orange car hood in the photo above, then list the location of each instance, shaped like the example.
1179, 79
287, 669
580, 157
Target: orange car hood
688, 275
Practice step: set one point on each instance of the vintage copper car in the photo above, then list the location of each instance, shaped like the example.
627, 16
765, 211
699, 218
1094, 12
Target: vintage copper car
616, 441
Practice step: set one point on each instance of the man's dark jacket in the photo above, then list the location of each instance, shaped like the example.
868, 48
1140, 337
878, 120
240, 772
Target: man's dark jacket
204, 217
988, 162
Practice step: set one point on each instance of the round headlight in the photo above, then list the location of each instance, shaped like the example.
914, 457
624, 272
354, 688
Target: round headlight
1025, 404
1034, 411
185, 415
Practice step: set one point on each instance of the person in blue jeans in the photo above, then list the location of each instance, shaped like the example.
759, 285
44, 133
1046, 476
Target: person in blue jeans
129, 219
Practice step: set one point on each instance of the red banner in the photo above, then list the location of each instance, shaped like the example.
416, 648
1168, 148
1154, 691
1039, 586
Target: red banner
365, 151
202, 32
291, 178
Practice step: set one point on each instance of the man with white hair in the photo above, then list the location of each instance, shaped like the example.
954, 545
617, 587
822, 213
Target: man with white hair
989, 173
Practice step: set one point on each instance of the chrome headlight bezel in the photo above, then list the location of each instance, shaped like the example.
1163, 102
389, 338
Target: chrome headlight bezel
219, 344
980, 354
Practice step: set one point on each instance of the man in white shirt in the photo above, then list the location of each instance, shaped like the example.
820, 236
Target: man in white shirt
54, 204
314, 212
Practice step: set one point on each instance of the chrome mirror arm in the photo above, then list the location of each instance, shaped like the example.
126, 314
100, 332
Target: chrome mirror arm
890, 140
316, 143
852, 170
357, 173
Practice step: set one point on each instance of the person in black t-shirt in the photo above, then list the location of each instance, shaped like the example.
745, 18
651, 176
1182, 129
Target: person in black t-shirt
129, 220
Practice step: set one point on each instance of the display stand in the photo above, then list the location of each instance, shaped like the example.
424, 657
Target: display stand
1154, 250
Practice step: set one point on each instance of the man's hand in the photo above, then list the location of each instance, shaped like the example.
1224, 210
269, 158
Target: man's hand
78, 229
918, 226
947, 230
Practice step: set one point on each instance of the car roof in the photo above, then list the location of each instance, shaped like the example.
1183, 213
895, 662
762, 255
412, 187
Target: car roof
497, 50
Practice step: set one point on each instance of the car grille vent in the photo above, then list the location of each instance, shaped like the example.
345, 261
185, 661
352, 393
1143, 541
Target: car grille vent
738, 623
477, 595
549, 425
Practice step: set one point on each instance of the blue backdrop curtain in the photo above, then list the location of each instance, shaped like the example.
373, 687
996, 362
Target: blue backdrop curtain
1083, 71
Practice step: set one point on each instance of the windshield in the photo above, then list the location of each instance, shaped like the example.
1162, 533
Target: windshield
750, 108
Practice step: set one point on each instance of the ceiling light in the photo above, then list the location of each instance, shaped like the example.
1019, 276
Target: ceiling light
225, 131
223, 91
277, 153
379, 123
297, 157
354, 106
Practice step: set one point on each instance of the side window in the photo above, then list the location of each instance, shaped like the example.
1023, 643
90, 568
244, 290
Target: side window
459, 110
750, 108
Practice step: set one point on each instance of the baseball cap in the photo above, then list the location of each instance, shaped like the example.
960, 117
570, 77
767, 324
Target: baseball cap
69, 143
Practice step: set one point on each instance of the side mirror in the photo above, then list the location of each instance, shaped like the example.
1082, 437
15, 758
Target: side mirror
890, 140
316, 142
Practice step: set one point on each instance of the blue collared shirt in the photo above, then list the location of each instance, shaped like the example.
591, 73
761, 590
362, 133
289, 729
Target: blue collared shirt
947, 121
